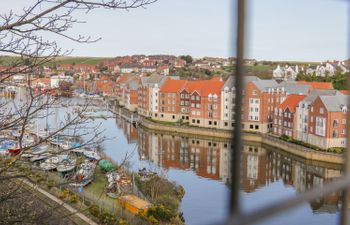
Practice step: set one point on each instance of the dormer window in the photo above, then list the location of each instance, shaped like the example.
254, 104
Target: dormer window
215, 97
344, 109
210, 97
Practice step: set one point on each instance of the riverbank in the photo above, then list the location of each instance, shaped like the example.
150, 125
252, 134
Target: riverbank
295, 149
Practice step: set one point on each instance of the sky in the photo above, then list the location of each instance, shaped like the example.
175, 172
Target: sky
302, 30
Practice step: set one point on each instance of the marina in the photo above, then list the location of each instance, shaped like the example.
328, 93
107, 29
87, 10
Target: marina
199, 165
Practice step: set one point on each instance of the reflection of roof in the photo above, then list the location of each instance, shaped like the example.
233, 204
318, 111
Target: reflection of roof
291, 102
318, 85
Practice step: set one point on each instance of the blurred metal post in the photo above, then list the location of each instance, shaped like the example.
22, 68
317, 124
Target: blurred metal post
237, 141
344, 217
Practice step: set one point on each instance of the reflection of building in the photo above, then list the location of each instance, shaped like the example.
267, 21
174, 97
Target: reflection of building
253, 167
129, 130
201, 156
211, 159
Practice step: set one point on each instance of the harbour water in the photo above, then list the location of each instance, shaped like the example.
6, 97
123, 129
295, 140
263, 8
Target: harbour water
202, 167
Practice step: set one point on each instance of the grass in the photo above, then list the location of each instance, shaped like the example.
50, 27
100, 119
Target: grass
260, 68
163, 122
96, 188
336, 150
9, 60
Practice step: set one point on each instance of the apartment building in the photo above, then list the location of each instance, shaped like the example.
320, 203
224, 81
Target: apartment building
205, 102
191, 101
148, 91
120, 87
256, 103
327, 124
284, 116
228, 94
302, 112
169, 100
131, 93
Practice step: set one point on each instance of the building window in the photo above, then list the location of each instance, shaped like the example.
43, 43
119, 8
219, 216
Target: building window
335, 124
193, 121
225, 124
198, 121
251, 126
335, 133
215, 123
256, 127
343, 121
209, 122
173, 116
321, 110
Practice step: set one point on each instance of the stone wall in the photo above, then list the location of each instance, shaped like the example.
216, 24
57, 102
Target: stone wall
291, 148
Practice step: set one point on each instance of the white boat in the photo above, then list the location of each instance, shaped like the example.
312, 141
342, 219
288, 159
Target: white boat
48, 166
57, 159
66, 166
28, 140
40, 157
92, 155
78, 150
26, 155
37, 150
84, 174
65, 145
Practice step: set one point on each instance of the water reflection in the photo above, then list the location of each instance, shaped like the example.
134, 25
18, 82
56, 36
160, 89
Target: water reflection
261, 165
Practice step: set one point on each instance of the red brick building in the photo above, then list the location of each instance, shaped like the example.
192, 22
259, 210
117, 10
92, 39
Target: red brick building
284, 116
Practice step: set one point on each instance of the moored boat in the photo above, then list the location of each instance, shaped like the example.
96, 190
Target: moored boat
84, 175
37, 150
90, 154
40, 157
66, 166
47, 166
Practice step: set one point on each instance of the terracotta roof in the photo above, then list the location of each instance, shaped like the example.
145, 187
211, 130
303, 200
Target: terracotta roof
173, 86
345, 92
123, 78
318, 85
205, 87
291, 102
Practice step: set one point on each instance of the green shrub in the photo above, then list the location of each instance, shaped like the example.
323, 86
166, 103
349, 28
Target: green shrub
171, 204
74, 198
160, 213
94, 210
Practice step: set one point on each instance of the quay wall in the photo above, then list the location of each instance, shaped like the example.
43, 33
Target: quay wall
291, 148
